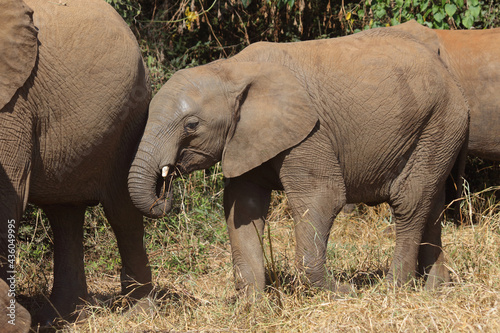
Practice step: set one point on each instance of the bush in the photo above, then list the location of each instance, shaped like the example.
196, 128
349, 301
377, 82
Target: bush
179, 34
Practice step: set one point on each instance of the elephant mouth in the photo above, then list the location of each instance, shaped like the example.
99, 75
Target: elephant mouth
164, 191
191, 159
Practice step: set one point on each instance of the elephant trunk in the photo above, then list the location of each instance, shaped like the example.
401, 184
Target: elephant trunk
150, 191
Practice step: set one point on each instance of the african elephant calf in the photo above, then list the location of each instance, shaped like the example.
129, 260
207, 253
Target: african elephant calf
374, 117
74, 94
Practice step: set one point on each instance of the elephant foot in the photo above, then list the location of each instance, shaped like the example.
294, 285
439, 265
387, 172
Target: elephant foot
438, 275
248, 292
339, 289
136, 298
344, 289
327, 282
52, 315
15, 318
435, 278
143, 307
136, 290
46, 318
395, 280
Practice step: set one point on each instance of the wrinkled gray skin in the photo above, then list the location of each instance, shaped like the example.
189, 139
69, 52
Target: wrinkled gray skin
374, 117
73, 104
473, 58
14, 318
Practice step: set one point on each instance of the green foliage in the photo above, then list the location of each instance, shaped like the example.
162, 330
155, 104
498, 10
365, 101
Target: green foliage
35, 247
181, 33
437, 14
128, 9
279, 3
100, 247
185, 237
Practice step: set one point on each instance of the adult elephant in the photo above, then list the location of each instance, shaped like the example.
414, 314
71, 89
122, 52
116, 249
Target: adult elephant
473, 57
74, 94
373, 117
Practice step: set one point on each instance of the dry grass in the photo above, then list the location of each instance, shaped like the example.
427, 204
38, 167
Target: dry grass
196, 292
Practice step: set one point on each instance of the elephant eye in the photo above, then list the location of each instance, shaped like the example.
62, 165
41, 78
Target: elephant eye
191, 125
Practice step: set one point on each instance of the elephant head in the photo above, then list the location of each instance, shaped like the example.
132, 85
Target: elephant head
17, 59
239, 113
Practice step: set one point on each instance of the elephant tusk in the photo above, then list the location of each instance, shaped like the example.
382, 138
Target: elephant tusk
164, 171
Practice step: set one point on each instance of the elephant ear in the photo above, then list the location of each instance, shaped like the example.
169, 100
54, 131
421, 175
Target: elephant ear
421, 33
18, 47
273, 112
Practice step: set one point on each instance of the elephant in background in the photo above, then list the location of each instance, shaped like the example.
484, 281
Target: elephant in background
373, 117
473, 57
74, 94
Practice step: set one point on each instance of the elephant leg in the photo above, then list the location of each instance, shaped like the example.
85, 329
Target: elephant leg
245, 206
416, 200
14, 188
13, 199
411, 214
70, 287
15, 172
313, 182
430, 257
314, 211
127, 224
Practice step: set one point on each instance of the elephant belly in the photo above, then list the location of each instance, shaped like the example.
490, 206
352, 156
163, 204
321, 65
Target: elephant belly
266, 175
45, 192
71, 180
